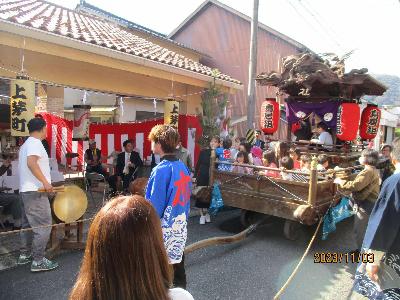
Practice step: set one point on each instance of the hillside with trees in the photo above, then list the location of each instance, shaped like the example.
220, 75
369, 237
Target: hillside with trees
392, 95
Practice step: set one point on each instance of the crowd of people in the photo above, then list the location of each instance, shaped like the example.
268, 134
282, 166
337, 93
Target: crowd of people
278, 157
156, 239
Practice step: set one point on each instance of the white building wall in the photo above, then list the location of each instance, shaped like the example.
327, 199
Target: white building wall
74, 97
130, 105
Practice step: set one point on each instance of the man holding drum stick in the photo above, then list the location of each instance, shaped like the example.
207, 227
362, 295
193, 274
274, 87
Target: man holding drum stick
34, 175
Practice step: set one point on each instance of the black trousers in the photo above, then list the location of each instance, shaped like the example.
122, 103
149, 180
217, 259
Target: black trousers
126, 180
97, 169
180, 274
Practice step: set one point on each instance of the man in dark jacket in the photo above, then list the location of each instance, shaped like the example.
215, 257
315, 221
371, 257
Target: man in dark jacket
378, 276
93, 160
259, 142
128, 163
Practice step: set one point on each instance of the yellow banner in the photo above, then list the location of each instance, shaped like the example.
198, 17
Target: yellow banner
171, 112
22, 106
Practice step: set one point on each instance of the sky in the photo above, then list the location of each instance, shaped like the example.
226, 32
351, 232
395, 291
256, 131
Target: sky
369, 27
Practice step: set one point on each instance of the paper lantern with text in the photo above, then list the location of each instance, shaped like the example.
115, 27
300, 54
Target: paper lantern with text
369, 123
80, 130
348, 118
270, 114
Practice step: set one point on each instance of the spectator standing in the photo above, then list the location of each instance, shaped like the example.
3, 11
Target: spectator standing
382, 242
365, 191
202, 175
169, 189
184, 156
126, 264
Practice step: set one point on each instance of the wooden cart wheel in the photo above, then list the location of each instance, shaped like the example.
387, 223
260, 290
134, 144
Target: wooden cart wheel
292, 230
248, 217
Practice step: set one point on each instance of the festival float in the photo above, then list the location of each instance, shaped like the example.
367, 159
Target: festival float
315, 88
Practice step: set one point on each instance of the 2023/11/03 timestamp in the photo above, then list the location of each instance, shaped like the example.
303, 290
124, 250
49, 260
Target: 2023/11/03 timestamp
338, 257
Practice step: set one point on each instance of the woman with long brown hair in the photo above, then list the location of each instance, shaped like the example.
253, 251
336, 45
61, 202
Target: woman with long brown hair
125, 256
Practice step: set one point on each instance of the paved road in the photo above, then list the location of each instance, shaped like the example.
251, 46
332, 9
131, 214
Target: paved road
252, 269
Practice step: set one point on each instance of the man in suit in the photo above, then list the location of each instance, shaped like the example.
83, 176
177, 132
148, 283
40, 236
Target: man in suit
128, 162
93, 160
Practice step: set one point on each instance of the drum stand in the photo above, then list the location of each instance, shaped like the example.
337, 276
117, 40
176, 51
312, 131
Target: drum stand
73, 238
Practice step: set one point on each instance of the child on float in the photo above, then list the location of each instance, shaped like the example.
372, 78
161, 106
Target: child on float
242, 158
286, 164
246, 147
270, 162
257, 154
295, 154
224, 154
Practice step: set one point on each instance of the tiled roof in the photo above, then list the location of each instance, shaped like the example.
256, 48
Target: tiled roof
58, 20
85, 7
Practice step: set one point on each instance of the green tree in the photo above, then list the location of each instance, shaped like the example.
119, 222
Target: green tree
213, 104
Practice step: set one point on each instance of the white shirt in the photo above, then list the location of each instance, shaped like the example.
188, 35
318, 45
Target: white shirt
180, 294
325, 138
127, 160
27, 181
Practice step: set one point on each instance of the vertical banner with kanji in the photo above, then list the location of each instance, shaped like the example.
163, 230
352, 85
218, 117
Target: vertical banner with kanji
81, 122
171, 112
22, 106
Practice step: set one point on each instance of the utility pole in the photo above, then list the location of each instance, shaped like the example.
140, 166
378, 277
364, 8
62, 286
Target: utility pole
251, 89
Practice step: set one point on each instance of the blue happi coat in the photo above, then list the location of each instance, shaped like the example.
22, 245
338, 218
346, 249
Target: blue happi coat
169, 190
224, 155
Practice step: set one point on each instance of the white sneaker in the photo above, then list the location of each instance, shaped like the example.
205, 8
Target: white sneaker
208, 218
202, 220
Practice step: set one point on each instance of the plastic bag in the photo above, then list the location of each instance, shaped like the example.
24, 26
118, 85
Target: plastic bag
216, 200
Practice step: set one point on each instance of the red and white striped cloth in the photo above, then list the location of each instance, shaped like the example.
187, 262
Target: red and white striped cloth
109, 137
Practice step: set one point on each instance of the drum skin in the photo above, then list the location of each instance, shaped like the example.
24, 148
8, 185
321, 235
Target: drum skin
71, 204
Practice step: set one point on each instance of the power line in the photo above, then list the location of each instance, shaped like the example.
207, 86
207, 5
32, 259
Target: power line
318, 18
314, 28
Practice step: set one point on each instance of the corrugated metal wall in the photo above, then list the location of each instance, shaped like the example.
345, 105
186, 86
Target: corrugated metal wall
226, 38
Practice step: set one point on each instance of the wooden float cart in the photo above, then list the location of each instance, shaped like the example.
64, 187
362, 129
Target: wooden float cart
296, 202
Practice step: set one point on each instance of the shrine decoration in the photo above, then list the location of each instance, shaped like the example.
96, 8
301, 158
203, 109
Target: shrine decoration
81, 122
22, 105
295, 126
348, 118
369, 124
171, 112
270, 114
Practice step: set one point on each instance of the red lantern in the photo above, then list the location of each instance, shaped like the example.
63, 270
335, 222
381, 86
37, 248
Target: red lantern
369, 124
270, 114
348, 118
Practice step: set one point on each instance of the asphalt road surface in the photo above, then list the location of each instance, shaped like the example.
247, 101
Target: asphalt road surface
255, 268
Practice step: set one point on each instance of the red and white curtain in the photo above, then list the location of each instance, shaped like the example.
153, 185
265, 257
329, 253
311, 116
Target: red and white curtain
110, 137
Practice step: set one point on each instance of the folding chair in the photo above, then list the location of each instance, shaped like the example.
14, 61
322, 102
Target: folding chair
93, 178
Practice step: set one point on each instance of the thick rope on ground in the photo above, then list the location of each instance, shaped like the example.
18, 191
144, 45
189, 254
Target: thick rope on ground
283, 288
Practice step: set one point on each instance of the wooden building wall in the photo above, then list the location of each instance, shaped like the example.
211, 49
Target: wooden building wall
225, 37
